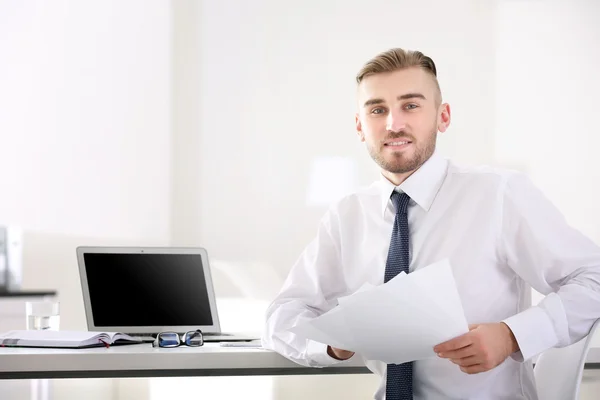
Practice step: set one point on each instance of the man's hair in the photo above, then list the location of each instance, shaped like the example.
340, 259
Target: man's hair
397, 59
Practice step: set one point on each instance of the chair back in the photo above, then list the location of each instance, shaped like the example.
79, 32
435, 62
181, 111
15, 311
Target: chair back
558, 371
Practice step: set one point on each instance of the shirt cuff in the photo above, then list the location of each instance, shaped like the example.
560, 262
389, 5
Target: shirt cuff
317, 353
534, 331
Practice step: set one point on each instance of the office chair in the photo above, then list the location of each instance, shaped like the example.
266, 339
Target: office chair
558, 371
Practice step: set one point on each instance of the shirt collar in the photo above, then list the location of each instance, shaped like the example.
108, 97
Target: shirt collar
422, 186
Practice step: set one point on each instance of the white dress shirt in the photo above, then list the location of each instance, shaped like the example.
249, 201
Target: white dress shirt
501, 236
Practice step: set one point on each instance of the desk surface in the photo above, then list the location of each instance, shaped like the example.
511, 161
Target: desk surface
143, 361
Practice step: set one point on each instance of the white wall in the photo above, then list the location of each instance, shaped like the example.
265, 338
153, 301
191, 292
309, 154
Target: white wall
85, 96
85, 116
547, 100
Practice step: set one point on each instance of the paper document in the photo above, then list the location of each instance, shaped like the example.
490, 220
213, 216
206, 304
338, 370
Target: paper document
399, 321
363, 288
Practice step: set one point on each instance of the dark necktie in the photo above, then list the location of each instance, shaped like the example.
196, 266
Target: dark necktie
399, 376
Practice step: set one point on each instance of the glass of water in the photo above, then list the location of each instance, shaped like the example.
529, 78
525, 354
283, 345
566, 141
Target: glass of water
42, 315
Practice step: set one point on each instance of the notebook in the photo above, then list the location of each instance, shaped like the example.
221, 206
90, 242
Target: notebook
64, 339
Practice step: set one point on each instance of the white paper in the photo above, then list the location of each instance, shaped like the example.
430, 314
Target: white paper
364, 288
399, 321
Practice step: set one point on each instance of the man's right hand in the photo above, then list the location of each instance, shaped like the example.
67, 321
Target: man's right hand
339, 354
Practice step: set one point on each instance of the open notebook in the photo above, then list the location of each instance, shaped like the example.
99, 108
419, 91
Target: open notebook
64, 339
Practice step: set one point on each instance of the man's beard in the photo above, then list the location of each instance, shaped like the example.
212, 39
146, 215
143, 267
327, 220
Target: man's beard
401, 164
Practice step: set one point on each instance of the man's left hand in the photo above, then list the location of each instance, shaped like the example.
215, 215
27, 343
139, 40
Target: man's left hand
484, 347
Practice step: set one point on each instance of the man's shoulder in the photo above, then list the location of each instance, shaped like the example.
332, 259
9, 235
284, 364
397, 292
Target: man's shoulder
487, 174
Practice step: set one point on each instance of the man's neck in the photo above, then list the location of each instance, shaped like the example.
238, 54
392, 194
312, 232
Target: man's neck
397, 179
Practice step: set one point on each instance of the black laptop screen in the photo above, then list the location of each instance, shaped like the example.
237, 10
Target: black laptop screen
147, 289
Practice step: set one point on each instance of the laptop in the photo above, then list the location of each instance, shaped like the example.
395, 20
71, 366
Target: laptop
142, 291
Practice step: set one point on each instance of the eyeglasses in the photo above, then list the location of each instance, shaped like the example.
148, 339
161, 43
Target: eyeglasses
173, 339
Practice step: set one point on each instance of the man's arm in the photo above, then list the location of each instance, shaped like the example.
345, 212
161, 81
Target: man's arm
556, 260
311, 289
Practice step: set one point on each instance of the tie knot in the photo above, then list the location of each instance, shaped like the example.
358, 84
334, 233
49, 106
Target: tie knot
400, 201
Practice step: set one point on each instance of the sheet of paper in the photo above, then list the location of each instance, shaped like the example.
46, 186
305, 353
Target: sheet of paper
365, 291
397, 322
437, 280
363, 288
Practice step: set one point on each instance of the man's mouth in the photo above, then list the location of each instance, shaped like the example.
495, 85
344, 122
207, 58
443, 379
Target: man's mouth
397, 144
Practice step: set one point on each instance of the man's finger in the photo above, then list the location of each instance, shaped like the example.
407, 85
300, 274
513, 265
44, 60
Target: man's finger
473, 369
454, 344
460, 353
473, 326
467, 361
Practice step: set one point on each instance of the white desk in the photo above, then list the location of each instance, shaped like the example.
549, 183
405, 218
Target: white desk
141, 360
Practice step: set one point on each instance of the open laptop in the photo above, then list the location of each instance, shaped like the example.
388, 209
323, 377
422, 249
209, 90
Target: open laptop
142, 291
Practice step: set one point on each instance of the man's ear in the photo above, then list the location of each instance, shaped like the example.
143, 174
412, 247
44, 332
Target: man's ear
444, 118
359, 131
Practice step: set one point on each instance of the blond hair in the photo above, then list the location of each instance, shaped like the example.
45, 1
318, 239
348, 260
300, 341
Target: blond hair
397, 59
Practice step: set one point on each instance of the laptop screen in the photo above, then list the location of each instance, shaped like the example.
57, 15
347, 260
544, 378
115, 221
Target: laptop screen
147, 290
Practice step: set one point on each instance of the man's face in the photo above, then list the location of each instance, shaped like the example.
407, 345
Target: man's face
399, 117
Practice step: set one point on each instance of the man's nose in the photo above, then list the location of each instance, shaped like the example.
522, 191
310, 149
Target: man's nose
395, 121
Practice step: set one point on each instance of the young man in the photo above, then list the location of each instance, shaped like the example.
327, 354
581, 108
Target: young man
499, 232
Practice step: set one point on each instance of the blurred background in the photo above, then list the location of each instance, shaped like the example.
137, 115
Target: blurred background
229, 124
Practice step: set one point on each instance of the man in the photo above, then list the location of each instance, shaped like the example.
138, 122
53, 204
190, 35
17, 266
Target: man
498, 231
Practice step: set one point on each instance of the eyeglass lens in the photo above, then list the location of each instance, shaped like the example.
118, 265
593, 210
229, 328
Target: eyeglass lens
193, 338
168, 339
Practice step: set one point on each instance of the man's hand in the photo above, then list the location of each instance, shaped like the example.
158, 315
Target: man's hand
339, 354
484, 347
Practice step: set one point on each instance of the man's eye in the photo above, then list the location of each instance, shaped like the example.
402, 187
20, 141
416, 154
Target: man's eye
411, 106
378, 110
